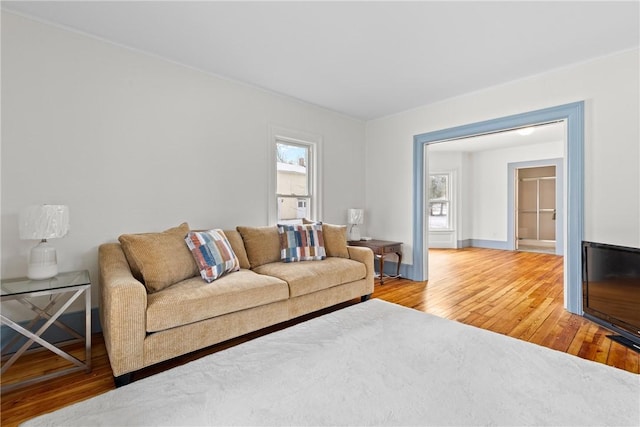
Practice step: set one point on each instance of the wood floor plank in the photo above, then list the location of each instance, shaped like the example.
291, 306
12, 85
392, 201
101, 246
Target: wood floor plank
524, 330
514, 293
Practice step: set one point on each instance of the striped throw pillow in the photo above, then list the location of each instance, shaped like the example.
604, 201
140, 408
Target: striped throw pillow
301, 242
212, 253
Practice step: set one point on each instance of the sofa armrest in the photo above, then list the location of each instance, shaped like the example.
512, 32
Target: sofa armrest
365, 256
123, 309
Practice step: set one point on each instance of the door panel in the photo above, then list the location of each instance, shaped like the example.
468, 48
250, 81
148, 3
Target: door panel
547, 193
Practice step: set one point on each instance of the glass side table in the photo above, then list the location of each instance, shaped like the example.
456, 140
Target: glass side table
70, 285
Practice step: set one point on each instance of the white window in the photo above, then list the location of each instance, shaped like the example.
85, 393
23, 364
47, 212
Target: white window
439, 201
295, 181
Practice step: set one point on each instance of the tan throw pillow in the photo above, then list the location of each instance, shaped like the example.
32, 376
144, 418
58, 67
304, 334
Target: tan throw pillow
261, 243
162, 258
335, 240
235, 239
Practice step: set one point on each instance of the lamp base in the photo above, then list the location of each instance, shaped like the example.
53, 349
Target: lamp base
41, 272
43, 262
354, 233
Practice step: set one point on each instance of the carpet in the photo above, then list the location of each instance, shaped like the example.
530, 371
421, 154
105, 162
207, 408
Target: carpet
373, 363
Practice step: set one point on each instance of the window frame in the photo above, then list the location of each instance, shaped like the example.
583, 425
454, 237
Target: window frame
448, 199
314, 189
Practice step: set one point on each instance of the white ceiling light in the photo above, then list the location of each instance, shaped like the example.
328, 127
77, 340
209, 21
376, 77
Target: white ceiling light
526, 131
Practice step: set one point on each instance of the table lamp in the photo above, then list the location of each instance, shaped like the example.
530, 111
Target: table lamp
43, 222
356, 217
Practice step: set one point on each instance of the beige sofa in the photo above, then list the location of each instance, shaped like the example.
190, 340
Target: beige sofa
145, 325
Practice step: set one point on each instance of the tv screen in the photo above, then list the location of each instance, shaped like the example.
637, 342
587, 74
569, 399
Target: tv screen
611, 287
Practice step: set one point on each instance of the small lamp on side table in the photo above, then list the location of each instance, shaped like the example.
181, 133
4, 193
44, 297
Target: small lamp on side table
356, 217
42, 222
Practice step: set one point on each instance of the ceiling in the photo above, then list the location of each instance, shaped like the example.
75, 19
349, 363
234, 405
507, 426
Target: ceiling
542, 133
365, 59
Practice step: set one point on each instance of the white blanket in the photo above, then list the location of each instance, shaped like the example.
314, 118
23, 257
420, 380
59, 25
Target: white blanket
374, 363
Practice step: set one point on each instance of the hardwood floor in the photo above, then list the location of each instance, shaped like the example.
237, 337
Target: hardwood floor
519, 294
513, 293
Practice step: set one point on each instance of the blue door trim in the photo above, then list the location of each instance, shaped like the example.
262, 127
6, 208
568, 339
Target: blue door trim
574, 115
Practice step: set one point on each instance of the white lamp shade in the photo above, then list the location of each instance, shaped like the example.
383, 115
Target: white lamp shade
44, 222
356, 216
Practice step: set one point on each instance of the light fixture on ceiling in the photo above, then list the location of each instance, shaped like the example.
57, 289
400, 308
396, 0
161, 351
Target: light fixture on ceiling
526, 131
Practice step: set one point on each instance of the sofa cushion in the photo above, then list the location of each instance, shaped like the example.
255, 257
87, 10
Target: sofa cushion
193, 300
335, 240
212, 253
261, 243
306, 277
301, 242
235, 240
159, 259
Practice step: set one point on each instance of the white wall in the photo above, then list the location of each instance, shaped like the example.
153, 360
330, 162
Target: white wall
489, 208
609, 86
133, 143
482, 185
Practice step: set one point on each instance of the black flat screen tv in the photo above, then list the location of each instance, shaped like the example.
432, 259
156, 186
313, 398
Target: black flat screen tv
611, 289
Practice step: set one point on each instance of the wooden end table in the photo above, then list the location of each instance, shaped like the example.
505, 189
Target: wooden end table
381, 248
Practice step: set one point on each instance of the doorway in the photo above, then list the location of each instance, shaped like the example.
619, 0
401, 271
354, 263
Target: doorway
573, 201
536, 209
